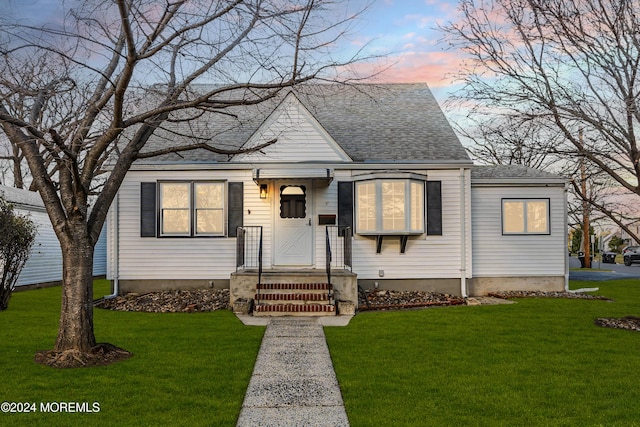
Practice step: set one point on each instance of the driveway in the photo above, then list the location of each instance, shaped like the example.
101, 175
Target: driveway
616, 271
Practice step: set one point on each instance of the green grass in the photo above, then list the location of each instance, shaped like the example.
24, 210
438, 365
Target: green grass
539, 362
187, 369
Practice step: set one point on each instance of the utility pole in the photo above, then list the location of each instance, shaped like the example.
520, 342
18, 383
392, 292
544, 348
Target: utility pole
586, 237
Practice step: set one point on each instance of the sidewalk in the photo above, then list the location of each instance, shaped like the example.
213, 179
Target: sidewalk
293, 382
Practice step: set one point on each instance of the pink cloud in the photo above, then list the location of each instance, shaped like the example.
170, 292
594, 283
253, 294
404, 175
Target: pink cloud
435, 68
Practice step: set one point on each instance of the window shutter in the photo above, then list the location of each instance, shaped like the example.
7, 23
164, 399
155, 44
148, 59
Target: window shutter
148, 212
434, 208
345, 204
236, 207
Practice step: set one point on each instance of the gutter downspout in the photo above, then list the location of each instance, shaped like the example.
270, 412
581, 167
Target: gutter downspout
463, 233
116, 246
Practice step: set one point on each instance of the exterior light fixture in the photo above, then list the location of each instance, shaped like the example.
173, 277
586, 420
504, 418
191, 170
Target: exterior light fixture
263, 191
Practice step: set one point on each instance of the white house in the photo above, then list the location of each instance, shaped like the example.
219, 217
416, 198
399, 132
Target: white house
374, 170
44, 266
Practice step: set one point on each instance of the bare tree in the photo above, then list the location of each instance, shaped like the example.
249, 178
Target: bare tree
503, 139
112, 74
572, 65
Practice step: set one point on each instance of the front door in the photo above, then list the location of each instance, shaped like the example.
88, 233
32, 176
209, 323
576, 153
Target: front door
294, 225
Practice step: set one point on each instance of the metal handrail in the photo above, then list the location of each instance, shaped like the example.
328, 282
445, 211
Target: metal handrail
249, 250
328, 259
343, 253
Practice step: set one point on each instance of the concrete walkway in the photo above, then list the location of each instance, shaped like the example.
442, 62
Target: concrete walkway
293, 382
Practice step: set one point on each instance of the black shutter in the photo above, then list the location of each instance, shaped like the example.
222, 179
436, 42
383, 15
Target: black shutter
345, 204
434, 208
148, 213
236, 208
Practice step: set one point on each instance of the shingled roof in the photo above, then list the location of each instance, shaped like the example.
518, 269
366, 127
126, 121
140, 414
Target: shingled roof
509, 173
371, 122
19, 197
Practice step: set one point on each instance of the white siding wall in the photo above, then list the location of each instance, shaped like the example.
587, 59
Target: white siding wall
495, 255
181, 258
45, 262
431, 257
214, 258
299, 138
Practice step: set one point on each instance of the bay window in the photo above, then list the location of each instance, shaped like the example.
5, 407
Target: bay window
390, 206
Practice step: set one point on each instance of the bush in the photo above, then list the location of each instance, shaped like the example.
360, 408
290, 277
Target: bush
17, 234
615, 243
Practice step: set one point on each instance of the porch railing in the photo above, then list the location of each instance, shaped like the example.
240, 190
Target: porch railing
337, 249
249, 249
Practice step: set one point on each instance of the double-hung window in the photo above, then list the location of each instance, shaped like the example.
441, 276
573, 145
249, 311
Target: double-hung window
525, 216
390, 206
191, 208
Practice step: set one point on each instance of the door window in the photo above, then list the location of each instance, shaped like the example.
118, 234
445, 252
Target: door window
293, 201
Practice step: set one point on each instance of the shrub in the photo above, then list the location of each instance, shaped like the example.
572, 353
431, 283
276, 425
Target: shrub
17, 234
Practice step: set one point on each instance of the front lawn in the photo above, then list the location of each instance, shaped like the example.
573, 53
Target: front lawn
538, 362
187, 369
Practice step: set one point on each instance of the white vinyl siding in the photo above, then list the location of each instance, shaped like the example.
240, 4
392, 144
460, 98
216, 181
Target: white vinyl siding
426, 257
211, 259
180, 257
299, 138
45, 261
497, 254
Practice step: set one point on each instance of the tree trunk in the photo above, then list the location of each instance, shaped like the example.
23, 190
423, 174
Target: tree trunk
76, 315
76, 343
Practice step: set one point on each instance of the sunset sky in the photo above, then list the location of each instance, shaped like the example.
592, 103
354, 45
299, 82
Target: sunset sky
402, 29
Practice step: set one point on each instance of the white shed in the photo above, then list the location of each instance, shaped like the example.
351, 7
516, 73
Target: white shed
44, 266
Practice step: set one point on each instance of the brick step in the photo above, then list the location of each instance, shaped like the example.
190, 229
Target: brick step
324, 296
294, 310
296, 286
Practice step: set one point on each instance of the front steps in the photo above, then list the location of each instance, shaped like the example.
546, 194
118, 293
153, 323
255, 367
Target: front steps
294, 299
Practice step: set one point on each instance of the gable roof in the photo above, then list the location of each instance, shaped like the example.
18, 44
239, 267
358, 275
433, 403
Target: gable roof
370, 122
291, 123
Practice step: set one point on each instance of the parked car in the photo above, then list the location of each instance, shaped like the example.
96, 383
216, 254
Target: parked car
631, 254
609, 257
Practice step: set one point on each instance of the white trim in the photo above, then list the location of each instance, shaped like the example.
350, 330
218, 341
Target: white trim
263, 174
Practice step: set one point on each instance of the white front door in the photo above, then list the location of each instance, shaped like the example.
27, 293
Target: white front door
293, 240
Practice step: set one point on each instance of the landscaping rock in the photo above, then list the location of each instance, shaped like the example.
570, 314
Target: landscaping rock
630, 323
189, 301
387, 300
542, 294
